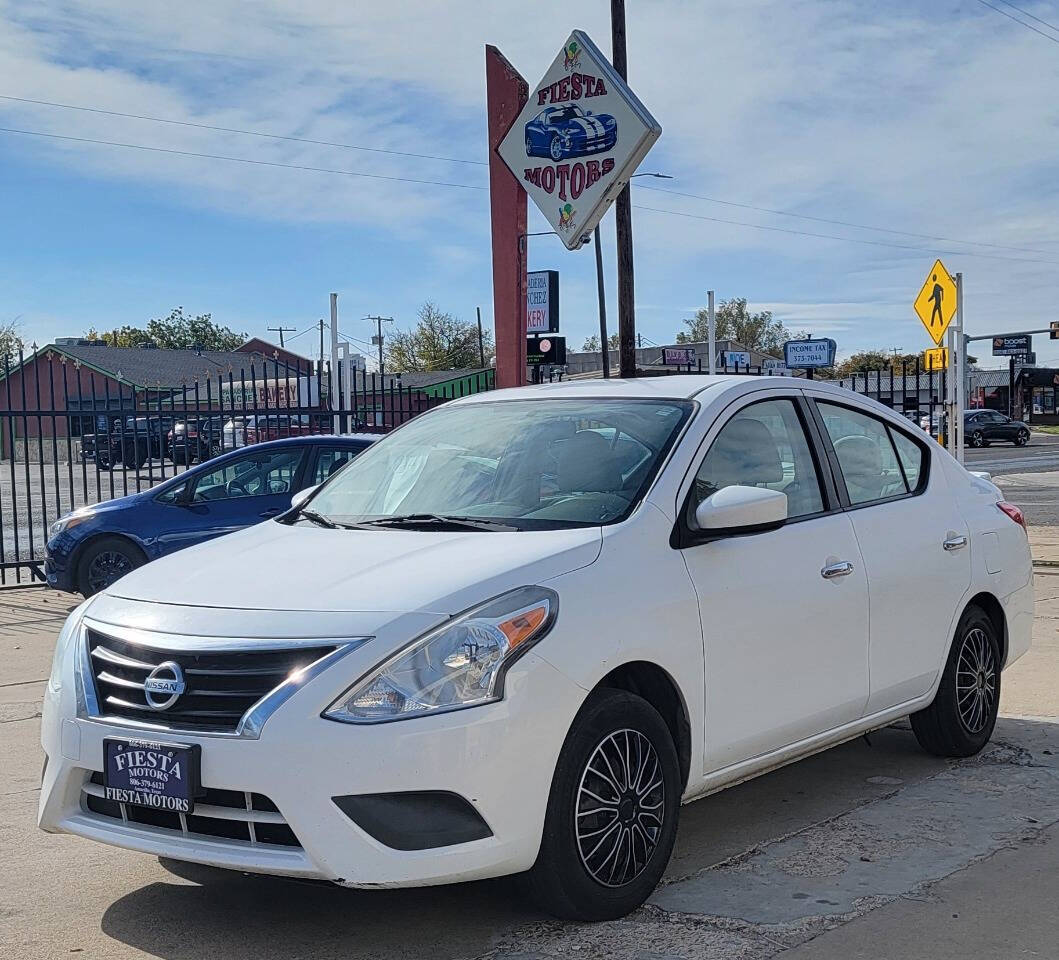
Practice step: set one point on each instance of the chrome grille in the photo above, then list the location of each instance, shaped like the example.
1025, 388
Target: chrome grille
221, 686
219, 814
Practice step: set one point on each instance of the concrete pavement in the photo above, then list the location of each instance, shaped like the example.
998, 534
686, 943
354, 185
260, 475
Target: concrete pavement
866, 850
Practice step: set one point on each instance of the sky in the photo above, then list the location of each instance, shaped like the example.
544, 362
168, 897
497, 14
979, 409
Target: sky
929, 128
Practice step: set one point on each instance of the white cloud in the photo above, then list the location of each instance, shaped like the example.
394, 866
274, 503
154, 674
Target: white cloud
931, 121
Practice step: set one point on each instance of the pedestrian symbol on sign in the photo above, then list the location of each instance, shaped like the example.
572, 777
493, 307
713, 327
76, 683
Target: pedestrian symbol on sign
937, 295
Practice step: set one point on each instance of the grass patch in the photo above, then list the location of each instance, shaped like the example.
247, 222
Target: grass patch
1046, 428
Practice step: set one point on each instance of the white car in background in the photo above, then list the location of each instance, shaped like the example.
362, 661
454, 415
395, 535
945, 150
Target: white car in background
516, 633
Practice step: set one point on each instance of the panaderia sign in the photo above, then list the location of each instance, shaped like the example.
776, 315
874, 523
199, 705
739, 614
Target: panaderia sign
579, 138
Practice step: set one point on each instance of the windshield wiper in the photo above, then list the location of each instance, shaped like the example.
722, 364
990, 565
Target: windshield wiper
318, 518
437, 521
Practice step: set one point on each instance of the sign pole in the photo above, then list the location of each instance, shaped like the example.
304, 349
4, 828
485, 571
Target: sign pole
506, 94
712, 334
623, 217
602, 295
961, 369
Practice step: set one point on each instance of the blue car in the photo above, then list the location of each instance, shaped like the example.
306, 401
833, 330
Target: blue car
92, 547
569, 131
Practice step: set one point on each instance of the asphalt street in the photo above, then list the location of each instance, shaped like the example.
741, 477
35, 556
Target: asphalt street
872, 849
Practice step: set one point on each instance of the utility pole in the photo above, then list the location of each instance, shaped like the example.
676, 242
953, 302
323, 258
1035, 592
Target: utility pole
602, 296
281, 331
623, 217
377, 338
481, 342
711, 332
321, 345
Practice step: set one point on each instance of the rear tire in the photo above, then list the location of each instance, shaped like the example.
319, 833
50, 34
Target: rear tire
612, 811
976, 439
961, 719
104, 561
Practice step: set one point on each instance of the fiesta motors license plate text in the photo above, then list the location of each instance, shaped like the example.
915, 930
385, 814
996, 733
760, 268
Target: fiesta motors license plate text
164, 776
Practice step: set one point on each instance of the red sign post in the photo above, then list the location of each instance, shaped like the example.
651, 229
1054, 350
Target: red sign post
506, 95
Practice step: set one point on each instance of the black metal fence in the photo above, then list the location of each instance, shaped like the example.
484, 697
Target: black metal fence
72, 436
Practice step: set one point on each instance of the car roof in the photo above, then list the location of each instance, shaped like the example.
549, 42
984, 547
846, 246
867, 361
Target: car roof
673, 387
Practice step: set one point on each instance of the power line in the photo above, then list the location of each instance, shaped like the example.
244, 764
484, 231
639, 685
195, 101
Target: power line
260, 163
842, 223
1026, 13
255, 133
828, 236
246, 133
1028, 26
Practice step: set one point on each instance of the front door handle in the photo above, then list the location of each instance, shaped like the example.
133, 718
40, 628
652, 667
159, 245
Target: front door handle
841, 569
954, 543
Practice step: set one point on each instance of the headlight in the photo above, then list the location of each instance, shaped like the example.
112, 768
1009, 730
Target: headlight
459, 664
69, 521
62, 645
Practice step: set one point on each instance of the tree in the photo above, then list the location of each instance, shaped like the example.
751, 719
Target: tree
175, 332
734, 321
10, 341
875, 360
439, 341
591, 344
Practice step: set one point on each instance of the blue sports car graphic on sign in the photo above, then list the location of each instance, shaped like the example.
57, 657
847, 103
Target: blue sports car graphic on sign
568, 131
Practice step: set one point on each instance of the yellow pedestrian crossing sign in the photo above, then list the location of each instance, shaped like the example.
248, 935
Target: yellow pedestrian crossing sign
936, 303
937, 359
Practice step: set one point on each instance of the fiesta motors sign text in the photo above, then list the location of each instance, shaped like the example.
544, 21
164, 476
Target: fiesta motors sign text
578, 139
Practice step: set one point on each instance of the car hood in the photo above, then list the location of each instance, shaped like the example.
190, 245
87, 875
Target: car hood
273, 566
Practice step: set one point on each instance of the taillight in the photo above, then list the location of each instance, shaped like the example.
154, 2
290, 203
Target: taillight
1014, 512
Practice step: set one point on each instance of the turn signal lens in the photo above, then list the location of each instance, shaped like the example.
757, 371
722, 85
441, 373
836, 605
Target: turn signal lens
1014, 512
523, 625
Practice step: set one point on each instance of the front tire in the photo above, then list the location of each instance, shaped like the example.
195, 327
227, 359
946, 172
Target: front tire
961, 719
612, 811
555, 148
105, 561
1022, 439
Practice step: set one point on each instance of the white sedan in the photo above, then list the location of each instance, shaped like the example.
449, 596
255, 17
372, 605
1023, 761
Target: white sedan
517, 633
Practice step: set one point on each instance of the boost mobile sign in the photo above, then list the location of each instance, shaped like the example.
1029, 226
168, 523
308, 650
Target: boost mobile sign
578, 139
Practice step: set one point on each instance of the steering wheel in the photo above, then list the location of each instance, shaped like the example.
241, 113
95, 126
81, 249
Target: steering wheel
236, 487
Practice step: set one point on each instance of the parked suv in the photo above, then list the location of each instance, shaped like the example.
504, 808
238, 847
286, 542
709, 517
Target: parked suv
132, 441
197, 438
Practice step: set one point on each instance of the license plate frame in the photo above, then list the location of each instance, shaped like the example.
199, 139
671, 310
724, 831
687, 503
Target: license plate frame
152, 774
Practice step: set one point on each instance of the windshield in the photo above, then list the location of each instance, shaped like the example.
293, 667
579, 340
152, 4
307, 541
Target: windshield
530, 464
567, 113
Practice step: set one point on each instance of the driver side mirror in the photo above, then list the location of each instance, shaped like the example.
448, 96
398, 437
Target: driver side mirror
301, 496
739, 509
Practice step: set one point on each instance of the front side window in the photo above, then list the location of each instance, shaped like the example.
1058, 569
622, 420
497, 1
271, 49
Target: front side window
866, 454
529, 464
763, 445
255, 475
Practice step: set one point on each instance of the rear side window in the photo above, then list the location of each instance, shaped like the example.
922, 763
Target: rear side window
868, 455
911, 456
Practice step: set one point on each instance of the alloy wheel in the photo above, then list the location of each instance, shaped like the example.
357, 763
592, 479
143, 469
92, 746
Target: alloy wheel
620, 808
976, 681
106, 567
977, 440
555, 148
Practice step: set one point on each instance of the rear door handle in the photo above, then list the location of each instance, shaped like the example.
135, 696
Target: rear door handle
954, 543
841, 569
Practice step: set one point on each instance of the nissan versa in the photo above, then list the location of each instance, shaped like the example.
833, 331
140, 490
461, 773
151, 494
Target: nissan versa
517, 633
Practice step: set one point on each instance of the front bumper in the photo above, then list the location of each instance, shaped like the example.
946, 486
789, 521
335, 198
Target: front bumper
58, 571
499, 757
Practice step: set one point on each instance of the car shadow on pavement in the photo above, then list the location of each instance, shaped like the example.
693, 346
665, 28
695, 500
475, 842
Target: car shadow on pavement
205, 910
209, 912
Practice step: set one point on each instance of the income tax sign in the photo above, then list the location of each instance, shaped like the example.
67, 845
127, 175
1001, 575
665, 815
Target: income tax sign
579, 138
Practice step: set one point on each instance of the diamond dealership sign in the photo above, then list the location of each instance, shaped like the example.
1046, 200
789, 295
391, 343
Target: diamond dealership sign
579, 138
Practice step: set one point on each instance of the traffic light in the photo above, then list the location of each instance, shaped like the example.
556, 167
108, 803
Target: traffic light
1053, 330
